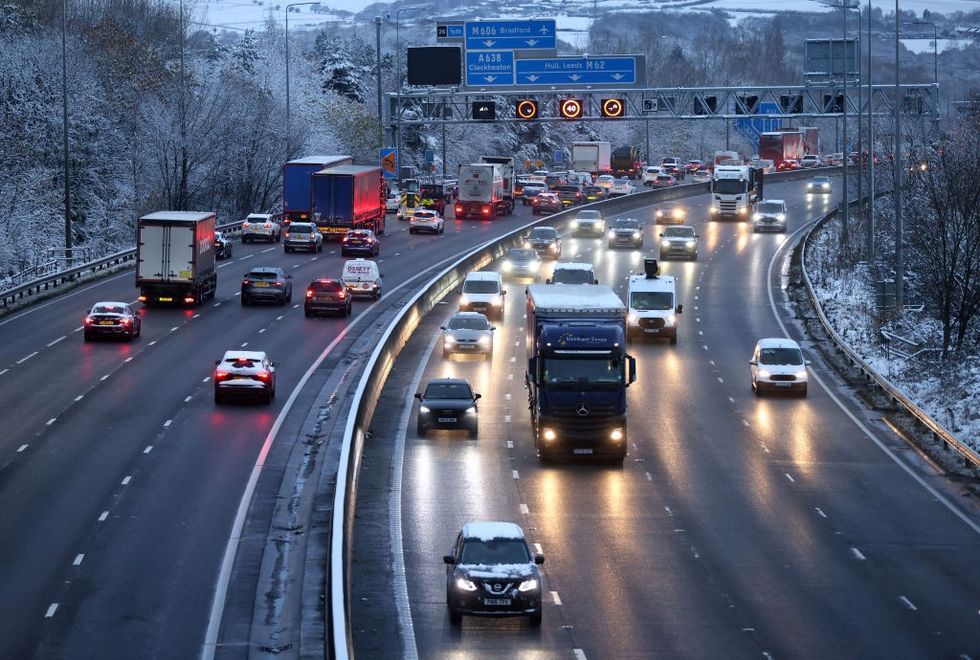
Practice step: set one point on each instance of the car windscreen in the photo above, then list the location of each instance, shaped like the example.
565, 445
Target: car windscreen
543, 233
568, 189
572, 276
769, 207
780, 356
679, 232
652, 300
480, 286
520, 254
494, 551
260, 275
448, 391
728, 186
467, 323
626, 224
821, 179
576, 372
588, 215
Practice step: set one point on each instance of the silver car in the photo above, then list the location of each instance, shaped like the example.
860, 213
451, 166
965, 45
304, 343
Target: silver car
522, 262
679, 241
467, 332
770, 215
588, 222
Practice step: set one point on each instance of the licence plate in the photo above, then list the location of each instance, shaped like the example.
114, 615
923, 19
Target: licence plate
584, 451
447, 419
166, 299
465, 347
496, 601
651, 330
781, 384
107, 322
261, 283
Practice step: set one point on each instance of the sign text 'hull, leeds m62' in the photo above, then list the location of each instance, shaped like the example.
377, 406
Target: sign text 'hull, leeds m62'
609, 70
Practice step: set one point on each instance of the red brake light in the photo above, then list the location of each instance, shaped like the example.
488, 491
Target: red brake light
279, 283
264, 375
245, 281
309, 293
125, 321
342, 295
459, 208
486, 210
220, 375
188, 299
142, 298
89, 320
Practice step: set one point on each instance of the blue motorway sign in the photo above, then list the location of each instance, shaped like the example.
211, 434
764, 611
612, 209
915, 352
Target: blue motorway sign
609, 70
511, 35
449, 31
490, 68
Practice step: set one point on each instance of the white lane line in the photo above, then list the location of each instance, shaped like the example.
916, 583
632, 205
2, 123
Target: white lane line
26, 358
507, 396
820, 512
745, 422
167, 423
296, 306
206, 379
537, 549
187, 398
279, 318
56, 341
52, 608
129, 359
244, 344
248, 256
51, 421
858, 554
148, 449
152, 343
294, 266
790, 477
4, 371
217, 304
764, 448
579, 654
267, 250
261, 330
861, 425
700, 333
126, 480
507, 419
21, 448
513, 358
704, 346
174, 329
517, 343
103, 516
510, 376
649, 476
731, 399
79, 398
510, 444
556, 598
720, 379
526, 511
515, 474
78, 560
669, 512
196, 316
907, 603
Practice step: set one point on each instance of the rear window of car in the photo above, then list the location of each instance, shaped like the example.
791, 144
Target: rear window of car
332, 285
261, 275
359, 234
300, 228
109, 309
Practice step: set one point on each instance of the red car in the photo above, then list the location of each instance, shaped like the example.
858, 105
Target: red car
546, 203
787, 165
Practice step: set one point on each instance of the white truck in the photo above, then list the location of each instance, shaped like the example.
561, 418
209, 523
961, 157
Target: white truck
735, 190
508, 170
592, 157
481, 192
175, 257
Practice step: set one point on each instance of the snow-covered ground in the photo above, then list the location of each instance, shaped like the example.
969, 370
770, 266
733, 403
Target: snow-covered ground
949, 392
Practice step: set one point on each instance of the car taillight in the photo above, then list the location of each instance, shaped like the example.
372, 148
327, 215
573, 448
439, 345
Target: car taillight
188, 299
342, 295
309, 293
245, 282
486, 210
279, 283
287, 234
220, 376
89, 320
264, 375
125, 321
459, 208
142, 298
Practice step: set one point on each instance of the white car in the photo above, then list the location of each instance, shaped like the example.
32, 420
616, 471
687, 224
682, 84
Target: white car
244, 374
777, 364
622, 187
770, 214
650, 174
393, 201
483, 291
426, 220
811, 160
261, 226
606, 181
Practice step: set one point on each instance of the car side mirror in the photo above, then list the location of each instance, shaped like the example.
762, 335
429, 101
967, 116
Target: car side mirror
806, 363
548, 281
217, 362
680, 309
753, 362
448, 559
539, 559
477, 396
493, 327
504, 292
418, 395
661, 234
442, 327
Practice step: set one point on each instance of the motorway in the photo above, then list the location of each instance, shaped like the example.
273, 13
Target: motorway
738, 526
119, 477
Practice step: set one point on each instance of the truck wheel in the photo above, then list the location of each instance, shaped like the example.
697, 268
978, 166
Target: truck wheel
348, 309
217, 398
319, 247
673, 339
244, 300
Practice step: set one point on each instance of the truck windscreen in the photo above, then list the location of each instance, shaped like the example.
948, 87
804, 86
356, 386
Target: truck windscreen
728, 186
575, 372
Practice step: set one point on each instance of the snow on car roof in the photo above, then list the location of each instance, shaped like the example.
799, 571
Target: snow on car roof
573, 265
773, 201
259, 216
483, 275
777, 342
231, 356
110, 303
643, 283
487, 531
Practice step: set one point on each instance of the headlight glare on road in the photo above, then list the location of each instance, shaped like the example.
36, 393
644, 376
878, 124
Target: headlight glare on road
465, 585
528, 585
507, 265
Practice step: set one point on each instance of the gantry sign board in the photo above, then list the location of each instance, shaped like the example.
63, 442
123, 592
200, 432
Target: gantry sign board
511, 35
502, 69
824, 59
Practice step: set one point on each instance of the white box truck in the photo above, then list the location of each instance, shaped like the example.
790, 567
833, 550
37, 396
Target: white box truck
508, 170
481, 192
592, 157
175, 257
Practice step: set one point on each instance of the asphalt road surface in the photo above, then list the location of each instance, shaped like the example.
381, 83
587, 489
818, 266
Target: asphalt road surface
738, 527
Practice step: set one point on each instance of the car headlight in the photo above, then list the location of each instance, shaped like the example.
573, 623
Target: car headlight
636, 234
464, 300
535, 266
757, 217
471, 410
553, 247
612, 234
801, 375
507, 265
465, 585
450, 339
678, 213
528, 585
743, 211
616, 435
527, 245
712, 210
548, 434
574, 224
781, 217
671, 320
762, 373
826, 185
497, 301
659, 213
691, 243
424, 409
484, 340
665, 243
632, 318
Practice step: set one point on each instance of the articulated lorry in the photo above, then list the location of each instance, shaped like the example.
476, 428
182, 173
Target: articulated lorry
481, 192
625, 162
780, 146
508, 170
735, 190
592, 157
348, 197
175, 258
577, 370
297, 185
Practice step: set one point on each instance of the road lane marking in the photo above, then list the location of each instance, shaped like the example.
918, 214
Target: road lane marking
167, 423
217, 304
148, 449
908, 603
649, 476
669, 512
196, 316
858, 554
51, 421
174, 329
26, 358
126, 480
103, 516
579, 654
507, 419
21, 448
279, 318
507, 396
720, 379
4, 371
820, 512
261, 330
745, 422
248, 256
244, 344
52, 608
764, 448
790, 477
556, 598
731, 399
526, 511
78, 560
152, 343
56, 341
206, 379
537, 549
267, 250
187, 398
510, 444
515, 474
510, 376
129, 359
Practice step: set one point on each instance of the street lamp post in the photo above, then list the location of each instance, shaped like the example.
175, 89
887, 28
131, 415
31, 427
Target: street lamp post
182, 186
378, 21
288, 126
870, 220
897, 185
64, 121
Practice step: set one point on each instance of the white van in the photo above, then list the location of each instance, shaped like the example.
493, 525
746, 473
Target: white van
362, 278
652, 307
483, 291
573, 273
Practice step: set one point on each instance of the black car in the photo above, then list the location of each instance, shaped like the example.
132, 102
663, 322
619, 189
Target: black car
570, 195
545, 241
447, 403
222, 246
114, 319
267, 283
626, 232
491, 572
594, 193
360, 241
325, 295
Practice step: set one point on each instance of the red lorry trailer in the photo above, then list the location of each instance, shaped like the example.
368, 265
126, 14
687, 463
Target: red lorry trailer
780, 146
348, 197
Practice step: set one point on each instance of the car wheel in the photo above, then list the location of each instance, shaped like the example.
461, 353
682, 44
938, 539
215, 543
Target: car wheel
307, 313
244, 300
474, 431
131, 335
319, 247
673, 339
282, 301
420, 429
609, 246
411, 230
803, 391
217, 398
86, 336
455, 618
286, 249
268, 398
535, 619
